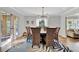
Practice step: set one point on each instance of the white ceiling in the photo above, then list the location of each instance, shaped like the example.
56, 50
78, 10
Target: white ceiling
33, 11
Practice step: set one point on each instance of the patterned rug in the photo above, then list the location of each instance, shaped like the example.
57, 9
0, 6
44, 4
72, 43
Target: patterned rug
27, 47
23, 45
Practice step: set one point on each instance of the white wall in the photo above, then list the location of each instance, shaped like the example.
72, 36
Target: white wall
21, 23
58, 21
62, 27
54, 21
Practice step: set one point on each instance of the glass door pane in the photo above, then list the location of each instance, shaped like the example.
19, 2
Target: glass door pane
8, 24
70, 24
16, 26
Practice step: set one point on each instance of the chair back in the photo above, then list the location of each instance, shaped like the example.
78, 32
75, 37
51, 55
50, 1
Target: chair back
35, 36
28, 31
56, 33
50, 36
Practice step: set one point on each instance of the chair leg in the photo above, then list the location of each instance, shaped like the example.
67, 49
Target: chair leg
49, 49
53, 47
46, 48
43, 46
39, 46
32, 46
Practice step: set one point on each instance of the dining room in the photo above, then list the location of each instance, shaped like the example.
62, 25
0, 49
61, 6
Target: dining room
35, 29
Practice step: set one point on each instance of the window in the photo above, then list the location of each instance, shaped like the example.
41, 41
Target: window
8, 24
27, 22
5, 24
72, 23
16, 26
42, 22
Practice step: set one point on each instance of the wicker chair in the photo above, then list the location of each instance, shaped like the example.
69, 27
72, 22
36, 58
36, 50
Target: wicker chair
57, 32
29, 34
50, 36
35, 37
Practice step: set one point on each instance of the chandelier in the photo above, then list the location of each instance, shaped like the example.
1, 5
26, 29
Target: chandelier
43, 13
43, 18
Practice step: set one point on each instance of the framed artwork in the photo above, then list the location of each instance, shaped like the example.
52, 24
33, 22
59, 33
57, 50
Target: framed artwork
32, 22
27, 22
